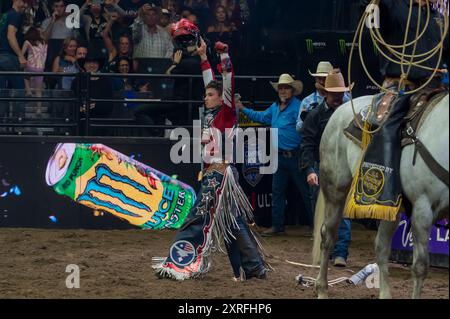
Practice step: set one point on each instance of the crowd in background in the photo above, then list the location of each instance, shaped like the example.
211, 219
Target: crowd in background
118, 28
115, 36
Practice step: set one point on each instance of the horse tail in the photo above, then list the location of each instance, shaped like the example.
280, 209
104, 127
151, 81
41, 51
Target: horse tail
319, 217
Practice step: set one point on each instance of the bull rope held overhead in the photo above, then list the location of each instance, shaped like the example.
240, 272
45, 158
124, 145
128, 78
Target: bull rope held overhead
398, 51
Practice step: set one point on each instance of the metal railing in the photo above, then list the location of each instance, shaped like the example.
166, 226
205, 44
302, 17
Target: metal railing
82, 124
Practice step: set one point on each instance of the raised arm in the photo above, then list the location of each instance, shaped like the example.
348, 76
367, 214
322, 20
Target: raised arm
208, 75
107, 39
226, 69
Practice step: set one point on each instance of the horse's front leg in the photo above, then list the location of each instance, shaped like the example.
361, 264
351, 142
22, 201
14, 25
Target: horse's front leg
333, 216
422, 219
383, 251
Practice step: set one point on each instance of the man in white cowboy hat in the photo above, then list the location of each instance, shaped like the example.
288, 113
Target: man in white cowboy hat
316, 98
283, 115
334, 90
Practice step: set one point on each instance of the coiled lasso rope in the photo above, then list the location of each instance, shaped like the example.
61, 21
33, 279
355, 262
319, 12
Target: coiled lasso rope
398, 52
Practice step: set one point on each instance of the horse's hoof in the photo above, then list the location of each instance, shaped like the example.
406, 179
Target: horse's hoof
322, 296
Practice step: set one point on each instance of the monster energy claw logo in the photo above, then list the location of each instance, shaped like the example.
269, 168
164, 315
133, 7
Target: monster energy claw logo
342, 46
310, 46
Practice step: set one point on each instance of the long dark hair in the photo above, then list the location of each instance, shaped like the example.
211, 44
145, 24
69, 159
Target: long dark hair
227, 21
34, 36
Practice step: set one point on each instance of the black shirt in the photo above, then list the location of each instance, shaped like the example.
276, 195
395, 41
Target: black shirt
393, 21
312, 131
99, 89
95, 29
15, 19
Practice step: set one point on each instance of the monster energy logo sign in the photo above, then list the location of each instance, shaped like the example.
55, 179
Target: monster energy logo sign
310, 45
342, 47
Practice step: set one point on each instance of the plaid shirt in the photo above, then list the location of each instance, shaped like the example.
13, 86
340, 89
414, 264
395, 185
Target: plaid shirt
151, 45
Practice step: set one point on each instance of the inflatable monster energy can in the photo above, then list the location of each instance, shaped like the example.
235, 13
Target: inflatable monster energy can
105, 180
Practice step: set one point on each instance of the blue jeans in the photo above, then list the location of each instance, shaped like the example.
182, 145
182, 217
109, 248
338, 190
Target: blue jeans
10, 62
288, 167
243, 251
344, 237
344, 230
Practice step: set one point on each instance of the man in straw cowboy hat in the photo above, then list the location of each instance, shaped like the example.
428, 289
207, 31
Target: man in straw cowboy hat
316, 98
334, 90
283, 115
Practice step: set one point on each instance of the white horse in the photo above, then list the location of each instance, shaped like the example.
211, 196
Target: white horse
428, 195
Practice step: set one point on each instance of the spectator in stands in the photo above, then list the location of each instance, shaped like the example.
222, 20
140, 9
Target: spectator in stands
42, 10
172, 5
54, 27
29, 14
111, 6
94, 21
222, 29
55, 32
99, 88
11, 56
194, 19
222, 23
81, 52
66, 62
123, 66
165, 20
151, 40
124, 48
116, 25
186, 12
131, 8
35, 48
232, 10
200, 7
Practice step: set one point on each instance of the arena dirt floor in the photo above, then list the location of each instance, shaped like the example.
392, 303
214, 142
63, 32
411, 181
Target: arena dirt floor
117, 264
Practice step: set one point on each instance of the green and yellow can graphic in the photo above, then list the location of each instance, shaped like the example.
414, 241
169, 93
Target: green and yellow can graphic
105, 180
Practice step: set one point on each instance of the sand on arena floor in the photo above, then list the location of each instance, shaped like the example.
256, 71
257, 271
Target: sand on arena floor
117, 264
